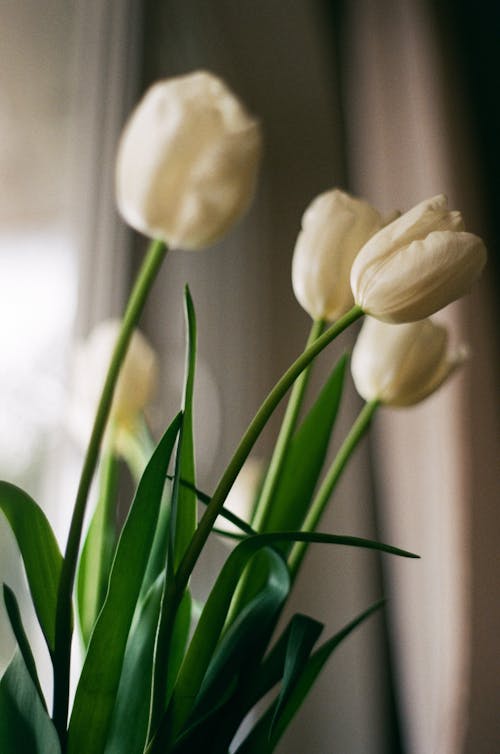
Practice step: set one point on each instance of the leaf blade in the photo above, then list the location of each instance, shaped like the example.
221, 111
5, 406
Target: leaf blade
184, 512
25, 727
258, 740
16, 623
99, 680
98, 549
244, 640
306, 456
40, 552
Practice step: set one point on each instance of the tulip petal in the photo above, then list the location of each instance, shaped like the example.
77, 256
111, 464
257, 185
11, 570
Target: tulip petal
334, 228
422, 277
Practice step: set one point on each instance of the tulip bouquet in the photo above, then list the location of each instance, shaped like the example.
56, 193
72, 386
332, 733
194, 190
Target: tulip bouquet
161, 672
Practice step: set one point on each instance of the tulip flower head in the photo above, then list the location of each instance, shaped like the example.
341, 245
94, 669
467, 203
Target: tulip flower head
187, 161
334, 228
135, 387
417, 264
400, 365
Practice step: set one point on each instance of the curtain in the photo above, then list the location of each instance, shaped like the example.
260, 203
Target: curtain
411, 134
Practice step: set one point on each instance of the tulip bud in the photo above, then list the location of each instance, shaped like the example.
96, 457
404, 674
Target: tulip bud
135, 386
334, 228
187, 161
417, 265
400, 365
243, 495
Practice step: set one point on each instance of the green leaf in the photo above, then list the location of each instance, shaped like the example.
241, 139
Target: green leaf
40, 552
130, 721
25, 727
306, 456
98, 685
245, 632
208, 632
184, 514
98, 550
179, 641
168, 616
259, 679
303, 635
240, 647
22, 640
259, 740
158, 555
251, 583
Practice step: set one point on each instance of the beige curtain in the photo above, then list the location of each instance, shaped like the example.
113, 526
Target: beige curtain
409, 139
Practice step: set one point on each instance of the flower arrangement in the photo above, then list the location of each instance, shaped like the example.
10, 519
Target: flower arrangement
159, 673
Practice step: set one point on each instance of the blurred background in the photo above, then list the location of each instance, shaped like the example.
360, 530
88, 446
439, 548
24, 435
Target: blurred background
393, 100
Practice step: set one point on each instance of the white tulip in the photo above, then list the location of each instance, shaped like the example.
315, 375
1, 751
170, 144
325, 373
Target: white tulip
417, 264
334, 228
134, 389
400, 365
187, 161
242, 495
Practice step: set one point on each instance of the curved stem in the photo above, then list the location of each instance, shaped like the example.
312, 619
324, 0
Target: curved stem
273, 475
62, 652
249, 438
323, 495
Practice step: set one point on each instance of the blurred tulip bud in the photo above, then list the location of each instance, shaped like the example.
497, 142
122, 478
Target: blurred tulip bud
243, 495
417, 264
187, 161
334, 228
135, 387
400, 365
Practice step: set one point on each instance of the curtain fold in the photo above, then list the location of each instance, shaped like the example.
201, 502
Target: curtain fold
410, 136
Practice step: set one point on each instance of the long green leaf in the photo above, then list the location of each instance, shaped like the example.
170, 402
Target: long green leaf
96, 691
259, 679
130, 721
251, 586
306, 456
185, 510
22, 640
264, 678
245, 640
245, 632
40, 552
25, 727
157, 557
303, 636
260, 676
98, 550
168, 615
207, 634
259, 740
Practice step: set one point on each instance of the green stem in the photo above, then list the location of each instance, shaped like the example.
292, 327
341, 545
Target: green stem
323, 495
61, 659
273, 475
249, 438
